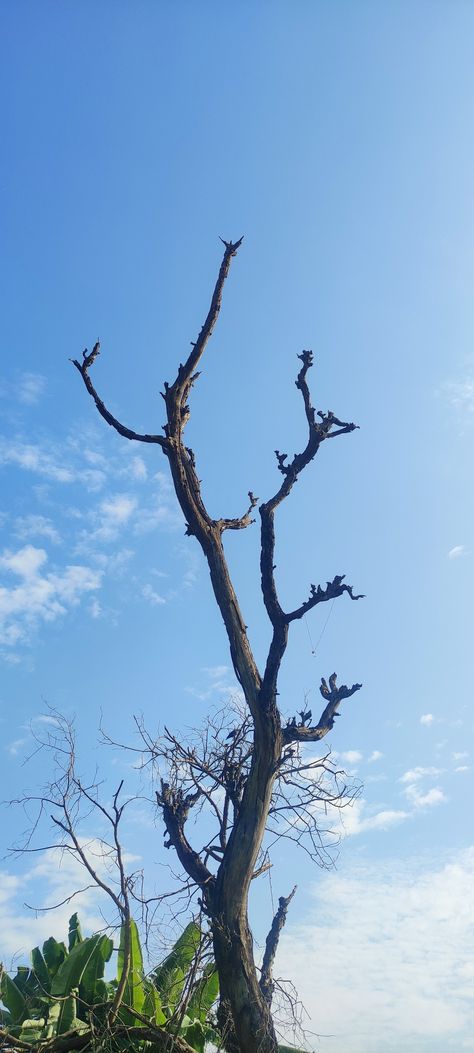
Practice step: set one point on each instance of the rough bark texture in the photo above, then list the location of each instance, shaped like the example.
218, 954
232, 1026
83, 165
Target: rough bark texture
245, 1011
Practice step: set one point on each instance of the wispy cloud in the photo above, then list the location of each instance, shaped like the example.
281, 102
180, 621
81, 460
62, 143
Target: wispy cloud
216, 672
426, 719
220, 682
26, 527
32, 458
418, 773
398, 935
27, 387
152, 596
138, 469
375, 756
457, 551
95, 609
30, 388
459, 392
53, 878
48, 462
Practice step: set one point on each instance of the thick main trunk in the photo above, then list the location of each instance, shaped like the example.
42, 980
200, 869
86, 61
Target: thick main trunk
244, 1016
252, 1028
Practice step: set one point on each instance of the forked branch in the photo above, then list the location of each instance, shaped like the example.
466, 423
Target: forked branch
333, 696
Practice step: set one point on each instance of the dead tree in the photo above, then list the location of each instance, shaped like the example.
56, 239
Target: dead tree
245, 1011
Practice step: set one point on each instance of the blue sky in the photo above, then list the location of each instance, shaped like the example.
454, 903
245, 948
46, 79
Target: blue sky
338, 139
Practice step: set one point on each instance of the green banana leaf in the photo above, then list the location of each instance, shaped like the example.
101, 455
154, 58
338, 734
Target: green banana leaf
89, 990
152, 1007
204, 994
13, 999
67, 980
74, 934
134, 994
41, 970
195, 1034
169, 978
54, 954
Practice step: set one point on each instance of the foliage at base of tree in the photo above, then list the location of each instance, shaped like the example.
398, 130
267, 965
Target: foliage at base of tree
63, 1000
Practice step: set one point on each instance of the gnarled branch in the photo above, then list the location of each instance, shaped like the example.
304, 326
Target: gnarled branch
333, 695
267, 985
317, 595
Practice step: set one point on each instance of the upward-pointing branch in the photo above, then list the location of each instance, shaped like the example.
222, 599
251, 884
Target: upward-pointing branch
88, 359
318, 431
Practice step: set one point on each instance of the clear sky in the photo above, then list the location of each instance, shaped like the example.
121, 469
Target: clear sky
338, 138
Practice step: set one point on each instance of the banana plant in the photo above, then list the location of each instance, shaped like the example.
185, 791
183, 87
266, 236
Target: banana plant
65, 990
59, 991
176, 986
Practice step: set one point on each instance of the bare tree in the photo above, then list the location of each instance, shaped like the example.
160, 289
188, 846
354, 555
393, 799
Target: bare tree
251, 781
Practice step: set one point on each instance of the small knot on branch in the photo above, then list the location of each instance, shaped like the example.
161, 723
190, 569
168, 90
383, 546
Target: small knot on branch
88, 358
281, 458
307, 359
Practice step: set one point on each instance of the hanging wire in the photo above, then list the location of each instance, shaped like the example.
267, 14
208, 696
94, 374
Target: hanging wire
269, 872
314, 647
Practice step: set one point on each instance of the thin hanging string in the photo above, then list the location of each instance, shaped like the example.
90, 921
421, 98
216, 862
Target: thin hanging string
269, 872
314, 647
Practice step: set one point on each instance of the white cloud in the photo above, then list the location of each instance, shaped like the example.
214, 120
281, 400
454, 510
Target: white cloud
39, 596
375, 756
36, 526
15, 747
114, 513
216, 671
396, 967
47, 462
152, 596
424, 800
220, 681
351, 756
158, 513
461, 756
53, 878
26, 562
426, 719
34, 459
31, 387
354, 822
463, 767
138, 468
457, 551
460, 393
415, 774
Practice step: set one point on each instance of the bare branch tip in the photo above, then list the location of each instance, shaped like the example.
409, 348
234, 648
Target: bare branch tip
232, 246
